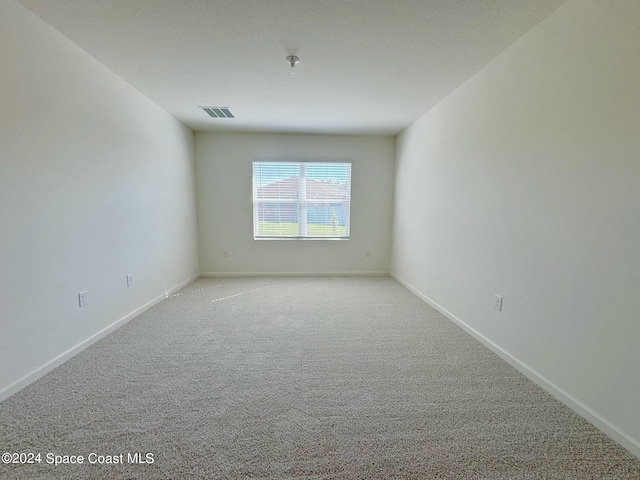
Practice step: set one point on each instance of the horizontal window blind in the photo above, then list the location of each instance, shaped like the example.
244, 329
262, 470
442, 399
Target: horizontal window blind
301, 199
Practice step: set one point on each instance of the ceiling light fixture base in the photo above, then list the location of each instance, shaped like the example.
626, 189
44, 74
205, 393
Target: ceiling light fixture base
293, 61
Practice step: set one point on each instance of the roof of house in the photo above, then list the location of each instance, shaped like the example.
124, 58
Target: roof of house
290, 188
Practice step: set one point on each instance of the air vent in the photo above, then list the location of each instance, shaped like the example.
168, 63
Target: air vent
218, 112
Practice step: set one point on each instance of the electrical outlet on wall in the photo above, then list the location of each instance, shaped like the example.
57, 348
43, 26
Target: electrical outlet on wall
129, 279
83, 299
497, 302
225, 254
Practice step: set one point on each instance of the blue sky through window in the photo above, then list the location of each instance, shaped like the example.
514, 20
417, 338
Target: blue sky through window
269, 172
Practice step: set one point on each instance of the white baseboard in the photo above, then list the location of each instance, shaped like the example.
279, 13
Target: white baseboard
39, 372
608, 428
294, 274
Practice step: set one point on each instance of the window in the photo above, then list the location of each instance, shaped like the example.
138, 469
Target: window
301, 200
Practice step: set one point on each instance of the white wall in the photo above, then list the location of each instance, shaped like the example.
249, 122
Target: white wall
223, 166
96, 182
525, 182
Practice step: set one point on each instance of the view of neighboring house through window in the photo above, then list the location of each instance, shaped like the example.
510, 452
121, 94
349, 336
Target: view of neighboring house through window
301, 199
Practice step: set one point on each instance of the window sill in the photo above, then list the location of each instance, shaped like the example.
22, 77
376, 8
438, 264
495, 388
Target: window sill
301, 238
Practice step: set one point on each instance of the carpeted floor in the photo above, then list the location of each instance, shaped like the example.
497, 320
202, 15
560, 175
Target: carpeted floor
298, 378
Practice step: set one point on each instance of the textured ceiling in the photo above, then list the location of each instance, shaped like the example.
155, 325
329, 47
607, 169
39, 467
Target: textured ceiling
366, 66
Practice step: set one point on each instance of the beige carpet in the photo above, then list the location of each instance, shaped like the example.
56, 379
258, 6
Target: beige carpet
299, 378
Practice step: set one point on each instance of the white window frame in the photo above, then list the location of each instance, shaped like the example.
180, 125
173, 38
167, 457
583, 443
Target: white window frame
302, 202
